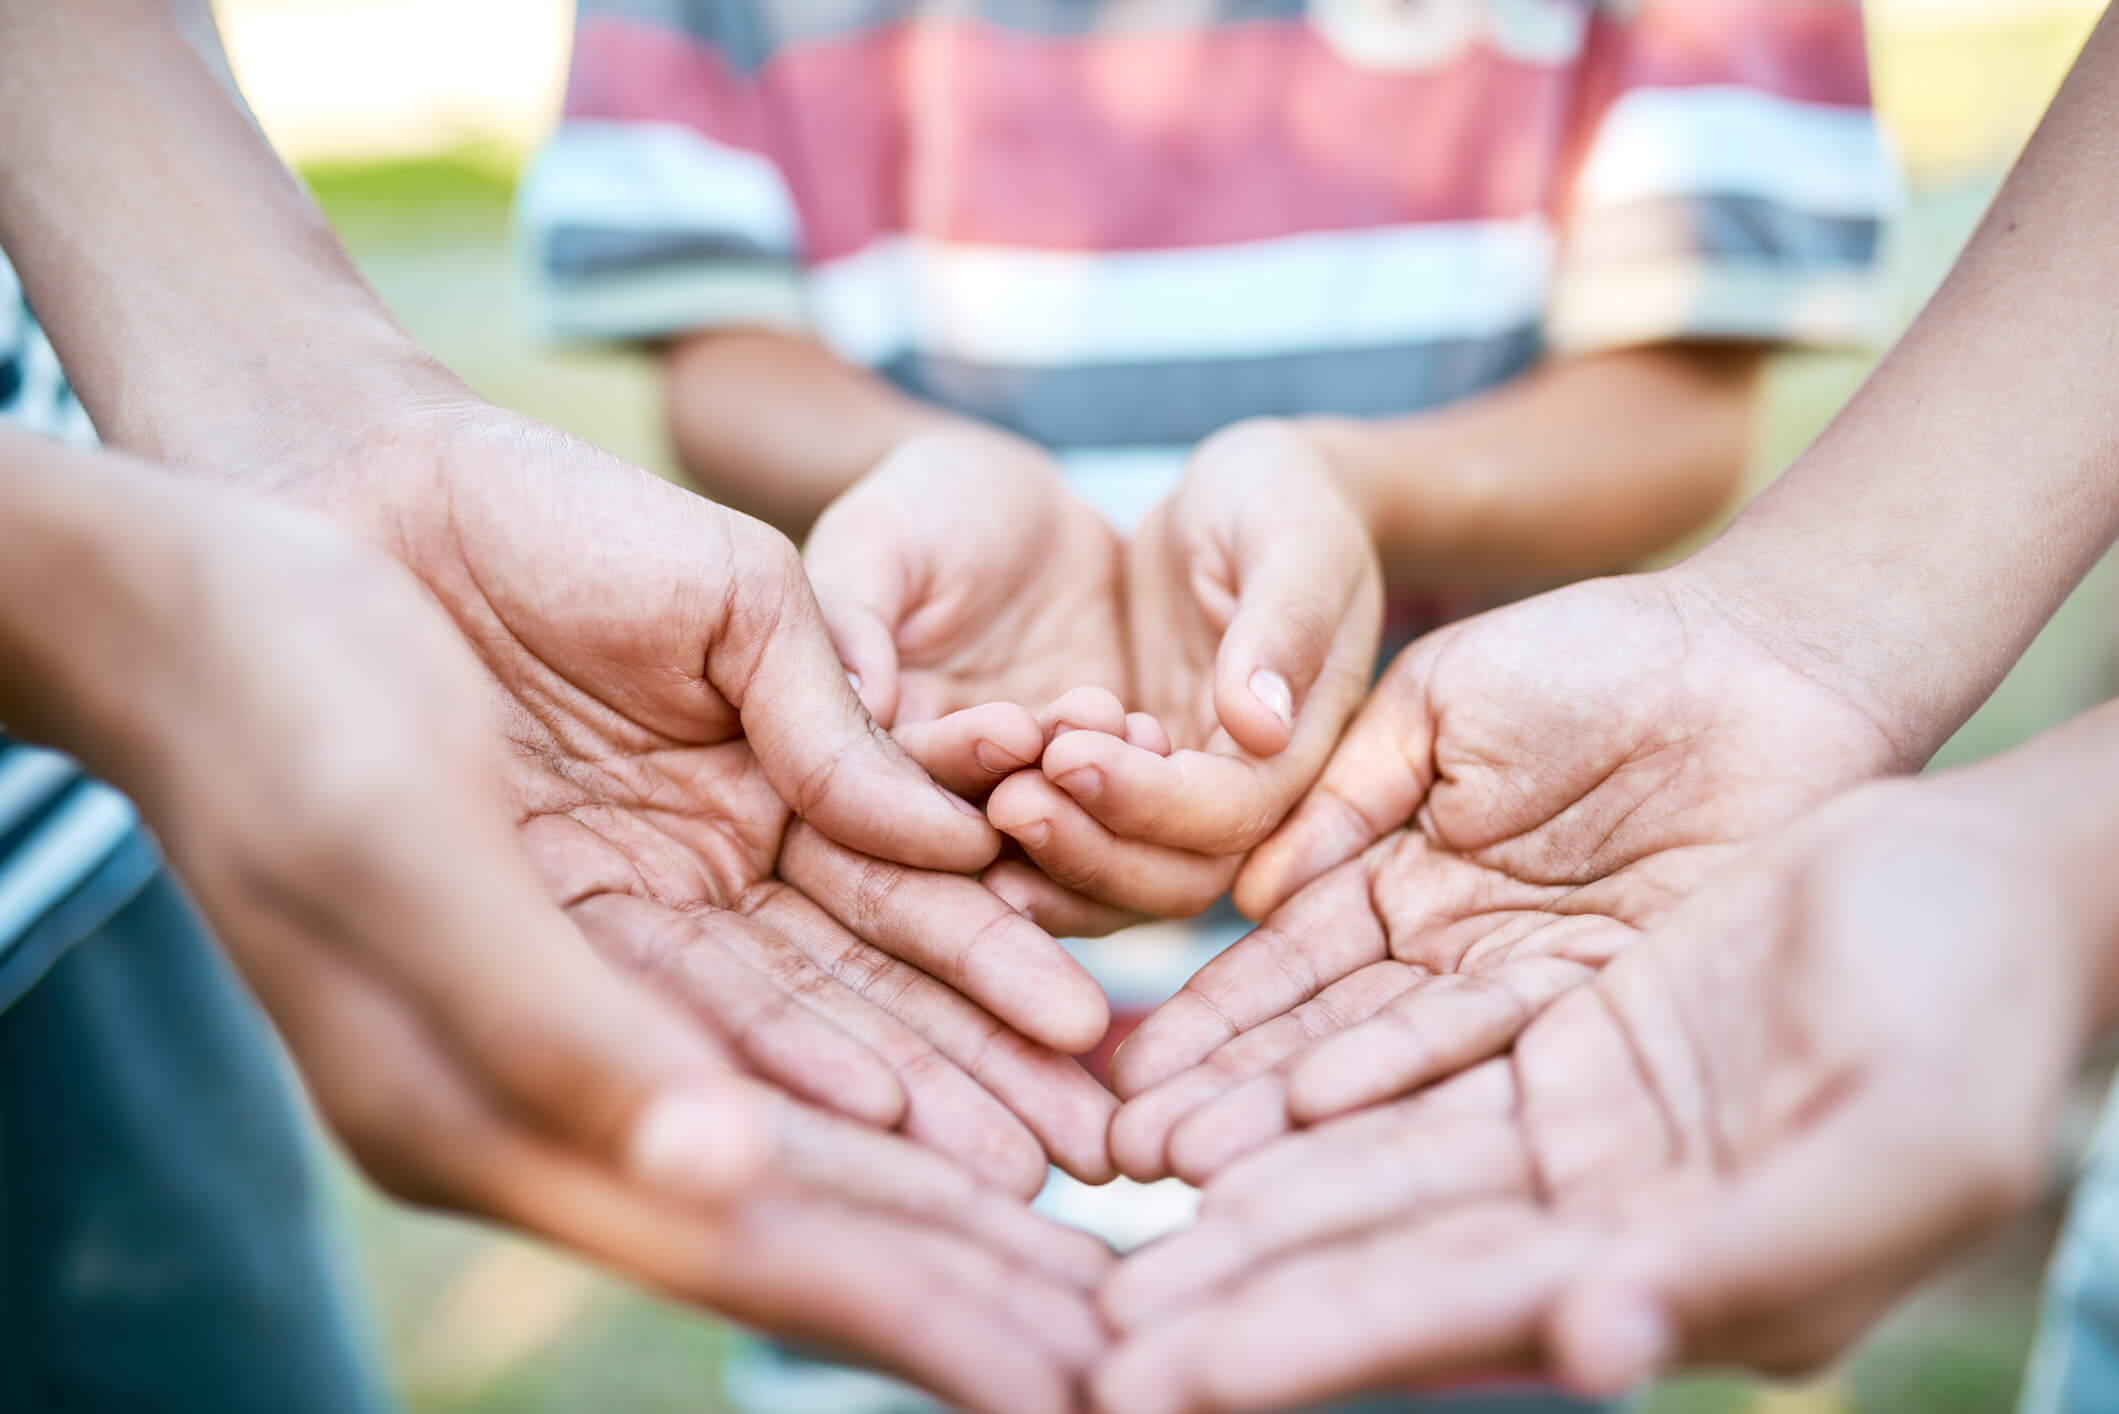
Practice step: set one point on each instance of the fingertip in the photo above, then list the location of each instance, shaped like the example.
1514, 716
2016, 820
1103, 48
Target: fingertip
1137, 1143
1146, 731
1256, 706
1233, 1124
702, 1143
1020, 804
1093, 709
1609, 1339
1322, 1084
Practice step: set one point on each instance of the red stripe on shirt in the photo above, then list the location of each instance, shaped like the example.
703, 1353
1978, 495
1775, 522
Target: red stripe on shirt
964, 132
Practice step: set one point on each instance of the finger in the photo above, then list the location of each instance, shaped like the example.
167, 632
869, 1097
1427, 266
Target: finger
978, 1090
1322, 935
888, 1173
958, 931
1146, 731
1079, 854
863, 589
823, 753
767, 1027
1305, 591
1201, 801
1425, 1032
1411, 1170
1884, 1184
1060, 912
1373, 784
972, 751
511, 989
1415, 1302
1224, 1106
1084, 709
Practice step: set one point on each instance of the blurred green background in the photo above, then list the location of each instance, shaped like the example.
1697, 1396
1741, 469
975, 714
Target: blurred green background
411, 119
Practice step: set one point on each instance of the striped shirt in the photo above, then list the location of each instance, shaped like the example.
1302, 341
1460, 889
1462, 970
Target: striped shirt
1117, 225
72, 850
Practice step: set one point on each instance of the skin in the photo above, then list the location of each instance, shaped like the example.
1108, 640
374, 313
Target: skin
195, 646
1513, 854
1565, 770
1136, 716
656, 667
1741, 1142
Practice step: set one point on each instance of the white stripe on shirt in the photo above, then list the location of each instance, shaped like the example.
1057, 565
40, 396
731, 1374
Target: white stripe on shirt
1012, 306
1730, 141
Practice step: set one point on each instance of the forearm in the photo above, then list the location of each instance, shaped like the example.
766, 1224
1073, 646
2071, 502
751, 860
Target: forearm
1914, 550
92, 555
2054, 803
1584, 466
777, 426
189, 282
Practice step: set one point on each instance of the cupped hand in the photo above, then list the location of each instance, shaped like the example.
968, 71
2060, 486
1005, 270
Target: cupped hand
1253, 605
1741, 1142
665, 682
311, 740
1522, 795
969, 591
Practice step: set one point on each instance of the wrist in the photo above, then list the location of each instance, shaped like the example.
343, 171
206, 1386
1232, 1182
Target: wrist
1423, 496
1825, 627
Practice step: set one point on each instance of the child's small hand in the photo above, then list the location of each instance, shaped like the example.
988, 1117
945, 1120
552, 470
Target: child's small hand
1254, 604
967, 588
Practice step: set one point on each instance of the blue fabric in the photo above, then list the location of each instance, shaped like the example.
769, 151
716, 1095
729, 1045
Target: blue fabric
162, 1240
2075, 1362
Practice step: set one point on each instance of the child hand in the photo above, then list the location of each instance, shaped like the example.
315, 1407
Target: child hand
966, 588
1253, 604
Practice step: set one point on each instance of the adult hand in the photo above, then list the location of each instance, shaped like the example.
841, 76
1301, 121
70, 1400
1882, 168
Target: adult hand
1741, 1142
665, 683
1524, 792
1253, 604
311, 740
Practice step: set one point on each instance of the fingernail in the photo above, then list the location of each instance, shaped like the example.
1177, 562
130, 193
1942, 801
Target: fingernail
1033, 835
1271, 689
697, 1147
992, 758
1084, 783
962, 804
853, 680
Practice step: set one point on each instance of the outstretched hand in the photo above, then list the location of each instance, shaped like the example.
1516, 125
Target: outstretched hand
665, 682
315, 750
1523, 794
1741, 1142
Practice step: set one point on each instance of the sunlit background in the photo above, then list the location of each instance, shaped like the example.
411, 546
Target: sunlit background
411, 119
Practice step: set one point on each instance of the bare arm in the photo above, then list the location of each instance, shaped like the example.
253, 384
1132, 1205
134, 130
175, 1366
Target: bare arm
777, 425
1583, 467
1922, 541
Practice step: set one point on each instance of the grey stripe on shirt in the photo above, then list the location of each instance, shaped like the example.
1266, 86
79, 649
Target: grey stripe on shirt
1181, 401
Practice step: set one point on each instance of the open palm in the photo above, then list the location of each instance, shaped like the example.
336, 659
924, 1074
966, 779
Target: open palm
1524, 793
1742, 1141
666, 684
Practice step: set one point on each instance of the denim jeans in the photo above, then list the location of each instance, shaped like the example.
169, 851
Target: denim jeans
2075, 1362
164, 1244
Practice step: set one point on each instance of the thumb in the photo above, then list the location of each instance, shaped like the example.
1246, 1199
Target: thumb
1785, 1264
1293, 599
820, 749
1373, 784
862, 589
